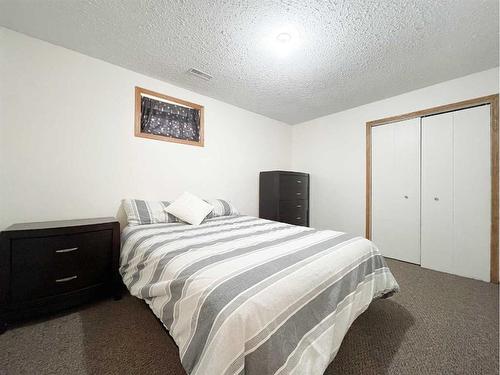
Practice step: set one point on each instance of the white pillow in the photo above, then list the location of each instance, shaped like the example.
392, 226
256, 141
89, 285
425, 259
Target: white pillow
190, 208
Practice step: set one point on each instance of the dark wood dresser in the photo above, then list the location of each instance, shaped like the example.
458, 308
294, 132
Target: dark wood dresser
46, 267
284, 196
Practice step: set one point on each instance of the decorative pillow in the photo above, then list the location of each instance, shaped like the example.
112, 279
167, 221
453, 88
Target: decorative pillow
140, 212
221, 208
190, 208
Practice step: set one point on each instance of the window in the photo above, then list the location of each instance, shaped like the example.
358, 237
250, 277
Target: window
165, 118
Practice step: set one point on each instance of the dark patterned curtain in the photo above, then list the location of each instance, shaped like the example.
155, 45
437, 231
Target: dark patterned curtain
169, 120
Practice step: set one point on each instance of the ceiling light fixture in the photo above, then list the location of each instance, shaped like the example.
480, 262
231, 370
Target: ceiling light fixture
284, 37
283, 40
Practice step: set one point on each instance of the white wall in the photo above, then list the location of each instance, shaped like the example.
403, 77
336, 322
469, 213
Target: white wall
332, 148
67, 148
67, 145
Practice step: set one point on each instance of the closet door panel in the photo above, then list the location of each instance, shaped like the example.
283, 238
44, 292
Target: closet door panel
396, 189
472, 193
437, 192
407, 160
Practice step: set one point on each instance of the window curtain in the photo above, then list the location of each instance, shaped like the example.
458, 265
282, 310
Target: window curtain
169, 120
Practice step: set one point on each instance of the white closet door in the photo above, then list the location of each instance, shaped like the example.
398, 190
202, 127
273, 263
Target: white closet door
437, 192
396, 189
456, 194
472, 191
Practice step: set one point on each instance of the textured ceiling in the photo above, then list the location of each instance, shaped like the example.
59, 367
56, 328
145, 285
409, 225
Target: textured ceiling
344, 53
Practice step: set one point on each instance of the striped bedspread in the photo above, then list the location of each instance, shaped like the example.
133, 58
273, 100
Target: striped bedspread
242, 295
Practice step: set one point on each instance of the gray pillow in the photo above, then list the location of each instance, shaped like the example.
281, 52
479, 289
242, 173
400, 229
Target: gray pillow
221, 208
141, 212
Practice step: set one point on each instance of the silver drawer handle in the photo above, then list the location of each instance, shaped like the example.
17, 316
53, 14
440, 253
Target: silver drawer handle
298, 218
66, 279
67, 250
298, 193
299, 181
299, 205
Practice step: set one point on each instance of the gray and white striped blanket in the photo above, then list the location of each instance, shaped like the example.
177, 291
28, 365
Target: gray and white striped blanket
242, 295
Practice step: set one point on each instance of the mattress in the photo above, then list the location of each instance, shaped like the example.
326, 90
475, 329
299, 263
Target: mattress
243, 295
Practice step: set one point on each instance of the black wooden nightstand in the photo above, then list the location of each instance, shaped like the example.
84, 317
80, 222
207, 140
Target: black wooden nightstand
46, 267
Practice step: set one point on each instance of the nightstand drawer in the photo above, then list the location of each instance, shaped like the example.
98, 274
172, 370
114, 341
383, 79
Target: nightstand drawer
46, 266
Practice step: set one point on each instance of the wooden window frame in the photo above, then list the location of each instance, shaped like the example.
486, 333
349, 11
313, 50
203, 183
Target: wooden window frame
139, 91
492, 100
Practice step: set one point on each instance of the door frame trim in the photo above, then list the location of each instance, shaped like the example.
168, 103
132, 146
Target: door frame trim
492, 100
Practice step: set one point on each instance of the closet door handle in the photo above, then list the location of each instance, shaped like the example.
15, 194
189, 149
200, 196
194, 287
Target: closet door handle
406, 196
436, 199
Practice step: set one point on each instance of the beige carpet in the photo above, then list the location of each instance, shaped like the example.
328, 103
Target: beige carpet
438, 324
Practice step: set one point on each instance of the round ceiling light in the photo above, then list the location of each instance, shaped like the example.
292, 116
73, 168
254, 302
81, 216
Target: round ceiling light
283, 37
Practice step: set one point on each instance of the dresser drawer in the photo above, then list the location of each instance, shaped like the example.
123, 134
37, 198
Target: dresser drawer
46, 266
294, 212
293, 208
293, 187
295, 220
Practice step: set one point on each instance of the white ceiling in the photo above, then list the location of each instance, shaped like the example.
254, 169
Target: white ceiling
345, 53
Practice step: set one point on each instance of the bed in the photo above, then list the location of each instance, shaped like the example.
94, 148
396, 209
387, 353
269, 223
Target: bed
243, 295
